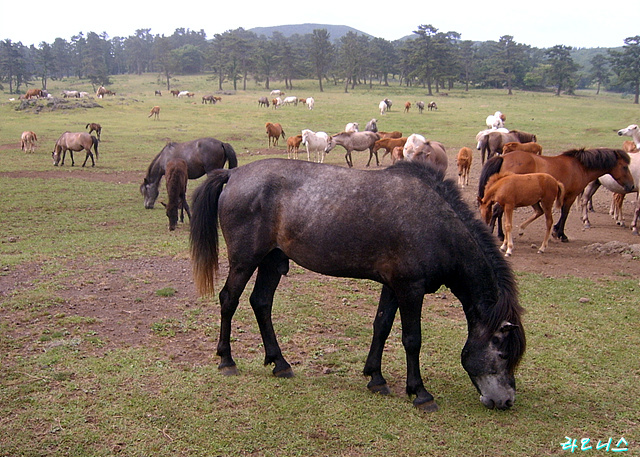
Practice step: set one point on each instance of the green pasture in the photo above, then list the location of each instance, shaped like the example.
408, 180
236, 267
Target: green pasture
578, 379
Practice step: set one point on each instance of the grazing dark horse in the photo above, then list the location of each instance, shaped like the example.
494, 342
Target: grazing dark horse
492, 143
574, 169
93, 127
177, 175
202, 156
420, 236
263, 101
354, 141
74, 142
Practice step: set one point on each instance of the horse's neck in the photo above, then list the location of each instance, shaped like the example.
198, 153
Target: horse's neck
156, 170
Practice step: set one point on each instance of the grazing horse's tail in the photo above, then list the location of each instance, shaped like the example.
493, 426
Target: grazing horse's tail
230, 153
204, 231
489, 169
282, 134
560, 195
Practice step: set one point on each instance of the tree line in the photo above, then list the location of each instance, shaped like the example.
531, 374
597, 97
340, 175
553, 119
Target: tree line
431, 59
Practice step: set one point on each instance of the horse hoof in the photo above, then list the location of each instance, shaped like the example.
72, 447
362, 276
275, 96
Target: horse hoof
286, 373
540, 251
429, 406
382, 389
228, 371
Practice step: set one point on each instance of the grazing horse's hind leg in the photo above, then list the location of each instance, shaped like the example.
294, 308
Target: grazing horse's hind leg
270, 271
387, 308
89, 154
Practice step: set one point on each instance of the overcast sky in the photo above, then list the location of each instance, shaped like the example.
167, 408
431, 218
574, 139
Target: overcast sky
541, 23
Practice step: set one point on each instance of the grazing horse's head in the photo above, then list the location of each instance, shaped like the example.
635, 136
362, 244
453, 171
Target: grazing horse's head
150, 192
490, 360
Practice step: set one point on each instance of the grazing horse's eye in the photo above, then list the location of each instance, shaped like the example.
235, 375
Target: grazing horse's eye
495, 340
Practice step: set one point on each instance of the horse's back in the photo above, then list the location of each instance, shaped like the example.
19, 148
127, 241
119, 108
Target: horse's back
285, 204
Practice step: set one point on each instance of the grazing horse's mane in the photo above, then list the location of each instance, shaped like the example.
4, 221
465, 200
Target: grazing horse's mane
597, 158
506, 308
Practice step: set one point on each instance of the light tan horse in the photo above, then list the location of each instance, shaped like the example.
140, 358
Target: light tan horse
28, 141
463, 161
155, 111
512, 191
74, 142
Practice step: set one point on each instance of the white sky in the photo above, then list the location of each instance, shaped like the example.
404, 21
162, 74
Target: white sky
541, 23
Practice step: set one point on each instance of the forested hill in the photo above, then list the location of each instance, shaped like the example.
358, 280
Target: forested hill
335, 31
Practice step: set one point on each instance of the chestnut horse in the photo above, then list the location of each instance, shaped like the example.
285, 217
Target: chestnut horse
93, 127
511, 191
403, 226
574, 169
274, 131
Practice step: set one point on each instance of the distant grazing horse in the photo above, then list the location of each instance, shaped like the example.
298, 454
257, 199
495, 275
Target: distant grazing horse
388, 144
177, 175
93, 127
263, 101
315, 141
311, 103
611, 184
352, 127
28, 141
432, 106
208, 99
382, 106
293, 145
159, 93
420, 106
492, 143
407, 107
574, 169
101, 92
531, 146
34, 93
276, 93
512, 191
74, 142
417, 148
274, 131
372, 126
464, 159
389, 103
291, 100
174, 92
354, 141
403, 226
155, 111
202, 156
496, 120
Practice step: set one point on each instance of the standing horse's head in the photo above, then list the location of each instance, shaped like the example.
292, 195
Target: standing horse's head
150, 192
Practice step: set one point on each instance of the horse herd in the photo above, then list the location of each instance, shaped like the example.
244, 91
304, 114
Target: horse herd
329, 219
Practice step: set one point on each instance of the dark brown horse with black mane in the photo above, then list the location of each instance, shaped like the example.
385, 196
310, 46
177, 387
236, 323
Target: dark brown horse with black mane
491, 143
274, 210
177, 175
202, 156
574, 169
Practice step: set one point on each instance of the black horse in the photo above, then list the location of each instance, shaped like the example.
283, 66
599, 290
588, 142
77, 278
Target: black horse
202, 156
330, 220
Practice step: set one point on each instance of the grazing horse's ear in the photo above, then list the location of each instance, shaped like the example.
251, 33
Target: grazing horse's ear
163, 204
507, 327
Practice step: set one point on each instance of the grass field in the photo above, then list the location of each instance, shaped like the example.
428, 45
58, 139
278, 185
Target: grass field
61, 395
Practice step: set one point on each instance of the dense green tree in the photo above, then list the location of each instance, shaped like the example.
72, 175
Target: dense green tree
139, 48
600, 70
13, 66
626, 64
563, 70
45, 63
320, 52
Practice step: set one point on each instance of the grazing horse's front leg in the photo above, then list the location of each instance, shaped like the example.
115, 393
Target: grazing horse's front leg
270, 271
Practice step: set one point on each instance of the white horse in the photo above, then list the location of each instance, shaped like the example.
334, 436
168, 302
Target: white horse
382, 106
310, 102
276, 93
495, 121
611, 184
291, 100
634, 132
315, 141
183, 93
372, 125
352, 127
